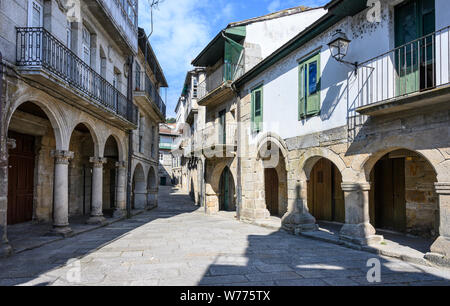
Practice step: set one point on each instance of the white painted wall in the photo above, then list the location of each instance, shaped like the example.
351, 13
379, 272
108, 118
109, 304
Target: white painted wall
272, 34
339, 85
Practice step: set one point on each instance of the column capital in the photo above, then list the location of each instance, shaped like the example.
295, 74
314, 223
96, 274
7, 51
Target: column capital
62, 157
349, 187
98, 161
11, 143
121, 164
442, 188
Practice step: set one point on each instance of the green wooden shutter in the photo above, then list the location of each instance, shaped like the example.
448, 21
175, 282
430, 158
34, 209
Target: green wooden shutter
302, 93
233, 52
257, 110
309, 87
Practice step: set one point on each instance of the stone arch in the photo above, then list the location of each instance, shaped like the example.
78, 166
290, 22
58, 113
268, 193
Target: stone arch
217, 172
434, 158
312, 156
275, 139
93, 131
402, 193
152, 179
139, 187
53, 113
120, 146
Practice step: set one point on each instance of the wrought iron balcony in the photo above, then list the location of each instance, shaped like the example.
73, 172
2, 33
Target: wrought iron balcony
144, 86
403, 77
38, 49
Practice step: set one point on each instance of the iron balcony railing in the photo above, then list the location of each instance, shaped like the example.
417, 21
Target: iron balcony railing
144, 84
228, 72
36, 47
417, 66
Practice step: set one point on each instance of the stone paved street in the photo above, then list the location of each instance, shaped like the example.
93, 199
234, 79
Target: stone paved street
178, 245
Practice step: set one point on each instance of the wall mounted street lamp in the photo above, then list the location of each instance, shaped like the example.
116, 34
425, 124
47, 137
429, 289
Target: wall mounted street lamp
339, 47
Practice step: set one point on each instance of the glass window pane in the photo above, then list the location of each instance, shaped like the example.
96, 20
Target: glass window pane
312, 78
257, 103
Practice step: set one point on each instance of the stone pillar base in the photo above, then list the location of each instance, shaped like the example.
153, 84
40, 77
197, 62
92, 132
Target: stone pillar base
5, 250
360, 234
64, 231
119, 213
254, 214
440, 252
296, 222
96, 220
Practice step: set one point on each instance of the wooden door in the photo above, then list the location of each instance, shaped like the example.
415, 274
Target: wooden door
320, 191
21, 179
271, 190
390, 201
414, 61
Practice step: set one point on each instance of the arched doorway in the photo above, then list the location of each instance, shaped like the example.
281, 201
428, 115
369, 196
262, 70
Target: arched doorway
403, 197
110, 176
326, 200
271, 183
275, 178
227, 201
80, 171
31, 167
139, 187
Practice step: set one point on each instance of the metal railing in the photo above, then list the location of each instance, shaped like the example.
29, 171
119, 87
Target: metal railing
36, 47
214, 135
143, 83
417, 66
226, 72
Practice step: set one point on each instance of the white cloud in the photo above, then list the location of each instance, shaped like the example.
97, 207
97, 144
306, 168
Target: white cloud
180, 33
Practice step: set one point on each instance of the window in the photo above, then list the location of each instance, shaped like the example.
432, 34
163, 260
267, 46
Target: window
309, 87
69, 35
86, 46
195, 88
35, 14
257, 109
161, 157
138, 86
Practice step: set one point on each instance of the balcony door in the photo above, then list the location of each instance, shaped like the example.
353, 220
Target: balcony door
35, 14
222, 127
414, 59
34, 39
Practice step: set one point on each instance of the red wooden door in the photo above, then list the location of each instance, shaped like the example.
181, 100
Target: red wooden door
271, 184
21, 179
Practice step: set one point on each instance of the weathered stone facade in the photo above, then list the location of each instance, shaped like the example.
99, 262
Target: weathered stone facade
68, 123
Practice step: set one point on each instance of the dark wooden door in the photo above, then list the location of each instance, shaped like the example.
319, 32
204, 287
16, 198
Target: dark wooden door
325, 196
271, 189
390, 200
21, 179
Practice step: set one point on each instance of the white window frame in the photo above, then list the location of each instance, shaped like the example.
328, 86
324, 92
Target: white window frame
31, 4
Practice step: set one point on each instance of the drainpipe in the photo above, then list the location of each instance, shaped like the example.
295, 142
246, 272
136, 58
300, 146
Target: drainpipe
130, 133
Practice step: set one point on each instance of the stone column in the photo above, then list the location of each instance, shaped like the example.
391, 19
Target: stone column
298, 218
97, 191
152, 198
440, 250
121, 194
5, 248
357, 228
61, 193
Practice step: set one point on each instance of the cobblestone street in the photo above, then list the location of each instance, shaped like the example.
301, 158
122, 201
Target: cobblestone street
176, 244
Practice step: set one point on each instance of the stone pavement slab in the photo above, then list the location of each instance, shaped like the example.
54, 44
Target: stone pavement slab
177, 244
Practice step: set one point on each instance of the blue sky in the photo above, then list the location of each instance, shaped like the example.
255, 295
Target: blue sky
182, 28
